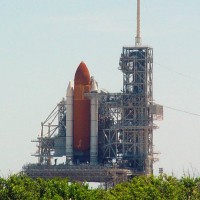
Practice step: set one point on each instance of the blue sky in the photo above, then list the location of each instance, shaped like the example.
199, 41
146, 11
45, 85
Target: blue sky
42, 43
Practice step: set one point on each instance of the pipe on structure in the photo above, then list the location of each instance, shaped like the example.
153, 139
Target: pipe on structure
69, 122
94, 122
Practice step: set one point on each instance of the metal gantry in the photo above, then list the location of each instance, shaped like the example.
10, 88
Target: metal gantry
51, 141
125, 119
136, 64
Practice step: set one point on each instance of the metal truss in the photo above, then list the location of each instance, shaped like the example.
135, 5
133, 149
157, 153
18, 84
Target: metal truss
53, 130
125, 122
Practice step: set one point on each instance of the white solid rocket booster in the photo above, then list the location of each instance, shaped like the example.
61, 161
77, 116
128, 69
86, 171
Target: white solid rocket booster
69, 122
94, 122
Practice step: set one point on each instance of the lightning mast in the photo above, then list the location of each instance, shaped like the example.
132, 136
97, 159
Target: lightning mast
136, 64
138, 38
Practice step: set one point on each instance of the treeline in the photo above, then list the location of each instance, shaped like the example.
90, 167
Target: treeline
20, 187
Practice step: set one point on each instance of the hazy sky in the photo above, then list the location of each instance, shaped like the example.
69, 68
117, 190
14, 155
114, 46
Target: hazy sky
43, 42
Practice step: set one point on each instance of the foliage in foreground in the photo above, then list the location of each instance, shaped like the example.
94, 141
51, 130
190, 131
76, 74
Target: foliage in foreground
19, 187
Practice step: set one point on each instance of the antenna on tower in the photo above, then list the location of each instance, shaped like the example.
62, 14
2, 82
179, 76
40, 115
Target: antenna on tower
138, 38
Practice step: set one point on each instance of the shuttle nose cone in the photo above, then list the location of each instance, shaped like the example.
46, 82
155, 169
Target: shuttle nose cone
82, 75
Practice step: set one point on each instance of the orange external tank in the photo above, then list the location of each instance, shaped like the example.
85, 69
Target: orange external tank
81, 109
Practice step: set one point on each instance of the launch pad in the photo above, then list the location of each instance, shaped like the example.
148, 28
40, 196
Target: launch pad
124, 139
104, 137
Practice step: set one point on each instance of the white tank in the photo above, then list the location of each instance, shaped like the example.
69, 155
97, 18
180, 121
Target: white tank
94, 123
69, 122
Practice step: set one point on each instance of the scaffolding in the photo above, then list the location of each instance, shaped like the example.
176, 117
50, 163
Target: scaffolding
126, 119
51, 141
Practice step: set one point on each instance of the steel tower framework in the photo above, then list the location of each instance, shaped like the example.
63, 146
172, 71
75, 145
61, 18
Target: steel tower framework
136, 64
51, 141
126, 121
